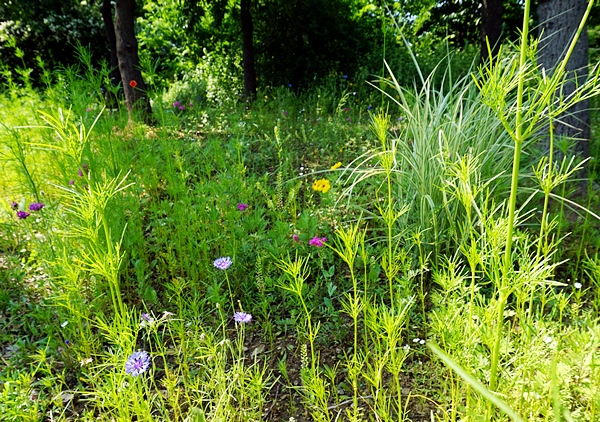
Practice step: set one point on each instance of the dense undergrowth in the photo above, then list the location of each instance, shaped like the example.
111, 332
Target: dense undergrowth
290, 259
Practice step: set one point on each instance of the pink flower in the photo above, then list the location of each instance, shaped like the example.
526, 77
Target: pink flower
296, 238
319, 242
242, 207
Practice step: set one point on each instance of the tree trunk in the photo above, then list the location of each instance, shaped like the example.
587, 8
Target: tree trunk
559, 20
491, 27
127, 54
248, 51
114, 75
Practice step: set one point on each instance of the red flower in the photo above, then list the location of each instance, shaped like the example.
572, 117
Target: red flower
132, 83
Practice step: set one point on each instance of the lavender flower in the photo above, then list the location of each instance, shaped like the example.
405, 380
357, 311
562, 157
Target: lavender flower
242, 317
14, 205
222, 263
242, 207
176, 104
22, 215
319, 242
137, 363
36, 206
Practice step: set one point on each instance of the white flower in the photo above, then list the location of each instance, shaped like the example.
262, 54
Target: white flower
577, 285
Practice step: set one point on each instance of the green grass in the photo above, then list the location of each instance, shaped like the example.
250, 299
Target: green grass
121, 259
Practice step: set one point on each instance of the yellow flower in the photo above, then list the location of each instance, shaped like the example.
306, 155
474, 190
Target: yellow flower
321, 185
336, 165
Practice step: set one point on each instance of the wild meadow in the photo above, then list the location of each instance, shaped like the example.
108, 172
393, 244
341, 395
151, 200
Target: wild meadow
358, 251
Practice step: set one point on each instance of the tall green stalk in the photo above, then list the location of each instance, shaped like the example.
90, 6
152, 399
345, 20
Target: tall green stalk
518, 138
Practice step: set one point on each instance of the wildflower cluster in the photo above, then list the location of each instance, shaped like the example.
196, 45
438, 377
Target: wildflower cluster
21, 214
321, 185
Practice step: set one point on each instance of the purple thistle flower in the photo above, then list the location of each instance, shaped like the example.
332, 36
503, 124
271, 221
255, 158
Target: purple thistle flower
296, 238
242, 317
80, 173
14, 205
71, 182
36, 206
181, 107
137, 363
222, 263
176, 104
319, 242
22, 215
242, 207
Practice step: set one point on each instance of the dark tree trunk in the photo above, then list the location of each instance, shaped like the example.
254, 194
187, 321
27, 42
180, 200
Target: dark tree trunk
127, 54
559, 20
491, 27
248, 51
114, 75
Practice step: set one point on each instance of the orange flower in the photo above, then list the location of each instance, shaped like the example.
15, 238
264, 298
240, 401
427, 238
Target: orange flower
132, 83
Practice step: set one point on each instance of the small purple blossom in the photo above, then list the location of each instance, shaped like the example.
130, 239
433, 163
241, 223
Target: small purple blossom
14, 205
22, 215
349, 119
346, 109
176, 104
137, 363
296, 238
242, 207
319, 242
146, 317
369, 107
67, 342
242, 317
222, 263
80, 173
88, 109
181, 107
71, 182
345, 76
285, 113
36, 206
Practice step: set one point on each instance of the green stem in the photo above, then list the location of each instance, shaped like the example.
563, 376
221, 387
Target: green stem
512, 200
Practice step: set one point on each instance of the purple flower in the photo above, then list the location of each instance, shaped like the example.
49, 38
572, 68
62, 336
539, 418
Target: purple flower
345, 76
242, 317
36, 206
222, 263
369, 108
176, 104
146, 317
71, 182
242, 207
137, 363
319, 242
346, 109
80, 173
285, 113
14, 205
22, 215
349, 119
296, 238
181, 107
